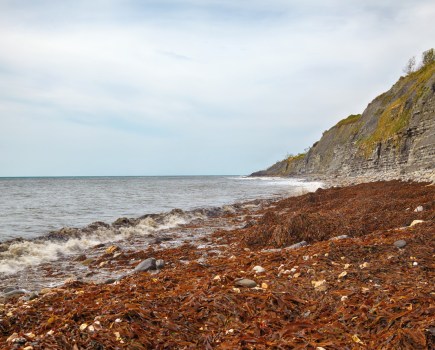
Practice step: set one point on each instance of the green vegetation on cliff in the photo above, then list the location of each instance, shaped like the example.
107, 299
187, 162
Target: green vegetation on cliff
395, 115
353, 118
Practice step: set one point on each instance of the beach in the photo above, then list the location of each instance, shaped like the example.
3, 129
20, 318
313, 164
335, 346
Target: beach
343, 267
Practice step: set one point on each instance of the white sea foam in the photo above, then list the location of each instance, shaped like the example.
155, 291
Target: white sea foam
22, 254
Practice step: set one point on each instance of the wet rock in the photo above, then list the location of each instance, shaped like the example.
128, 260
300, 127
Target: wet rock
400, 243
14, 293
258, 269
110, 281
297, 245
160, 264
9, 289
228, 209
123, 222
245, 283
81, 257
146, 265
418, 209
65, 233
31, 296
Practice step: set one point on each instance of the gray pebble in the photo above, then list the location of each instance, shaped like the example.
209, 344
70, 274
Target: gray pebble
246, 283
160, 264
146, 265
400, 243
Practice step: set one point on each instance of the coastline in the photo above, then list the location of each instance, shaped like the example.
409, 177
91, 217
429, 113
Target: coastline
356, 285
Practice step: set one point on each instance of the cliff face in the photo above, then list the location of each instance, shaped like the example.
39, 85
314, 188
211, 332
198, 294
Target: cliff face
394, 137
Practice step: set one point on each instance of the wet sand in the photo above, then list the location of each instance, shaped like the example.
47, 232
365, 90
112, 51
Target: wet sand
362, 279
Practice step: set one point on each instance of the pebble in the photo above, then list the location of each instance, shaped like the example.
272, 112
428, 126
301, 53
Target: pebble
14, 293
319, 285
246, 283
160, 264
364, 265
258, 269
297, 245
337, 238
146, 265
418, 209
110, 281
343, 274
400, 243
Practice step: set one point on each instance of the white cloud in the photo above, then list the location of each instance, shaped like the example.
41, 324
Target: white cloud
242, 81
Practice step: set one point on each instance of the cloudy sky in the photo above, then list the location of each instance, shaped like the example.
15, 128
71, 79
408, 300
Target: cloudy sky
171, 87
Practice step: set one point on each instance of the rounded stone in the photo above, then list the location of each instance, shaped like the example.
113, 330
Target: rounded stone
146, 265
400, 243
246, 283
258, 269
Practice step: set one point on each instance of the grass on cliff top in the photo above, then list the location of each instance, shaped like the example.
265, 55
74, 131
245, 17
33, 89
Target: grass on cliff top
353, 118
395, 115
296, 157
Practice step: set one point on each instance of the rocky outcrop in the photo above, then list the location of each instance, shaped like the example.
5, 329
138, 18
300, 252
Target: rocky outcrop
393, 138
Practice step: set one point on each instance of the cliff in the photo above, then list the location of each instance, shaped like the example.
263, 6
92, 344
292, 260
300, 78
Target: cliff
393, 138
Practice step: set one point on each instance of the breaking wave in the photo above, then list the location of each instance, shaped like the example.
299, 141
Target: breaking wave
18, 254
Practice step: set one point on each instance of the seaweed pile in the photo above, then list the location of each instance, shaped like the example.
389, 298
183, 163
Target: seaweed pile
363, 279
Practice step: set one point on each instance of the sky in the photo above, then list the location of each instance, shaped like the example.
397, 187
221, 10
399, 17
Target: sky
193, 87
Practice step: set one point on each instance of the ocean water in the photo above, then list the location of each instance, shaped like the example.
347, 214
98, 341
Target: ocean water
30, 208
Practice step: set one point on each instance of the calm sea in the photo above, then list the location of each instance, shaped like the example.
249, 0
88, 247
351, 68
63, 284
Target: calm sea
30, 207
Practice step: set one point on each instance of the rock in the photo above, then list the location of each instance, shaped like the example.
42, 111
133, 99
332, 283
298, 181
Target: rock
297, 245
418, 209
258, 269
400, 243
337, 238
15, 293
343, 274
9, 289
146, 265
416, 222
319, 285
364, 265
246, 283
110, 281
81, 257
32, 296
123, 222
160, 264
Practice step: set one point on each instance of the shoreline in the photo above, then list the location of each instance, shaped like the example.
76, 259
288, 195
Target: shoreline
300, 290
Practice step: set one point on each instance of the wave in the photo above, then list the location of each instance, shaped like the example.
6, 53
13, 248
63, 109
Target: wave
18, 254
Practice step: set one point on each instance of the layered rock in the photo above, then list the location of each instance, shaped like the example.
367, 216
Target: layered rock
393, 138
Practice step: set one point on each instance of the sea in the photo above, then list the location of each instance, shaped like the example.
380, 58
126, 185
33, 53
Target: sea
31, 208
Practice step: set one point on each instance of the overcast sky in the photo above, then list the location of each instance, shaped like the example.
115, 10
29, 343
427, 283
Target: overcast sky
173, 87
